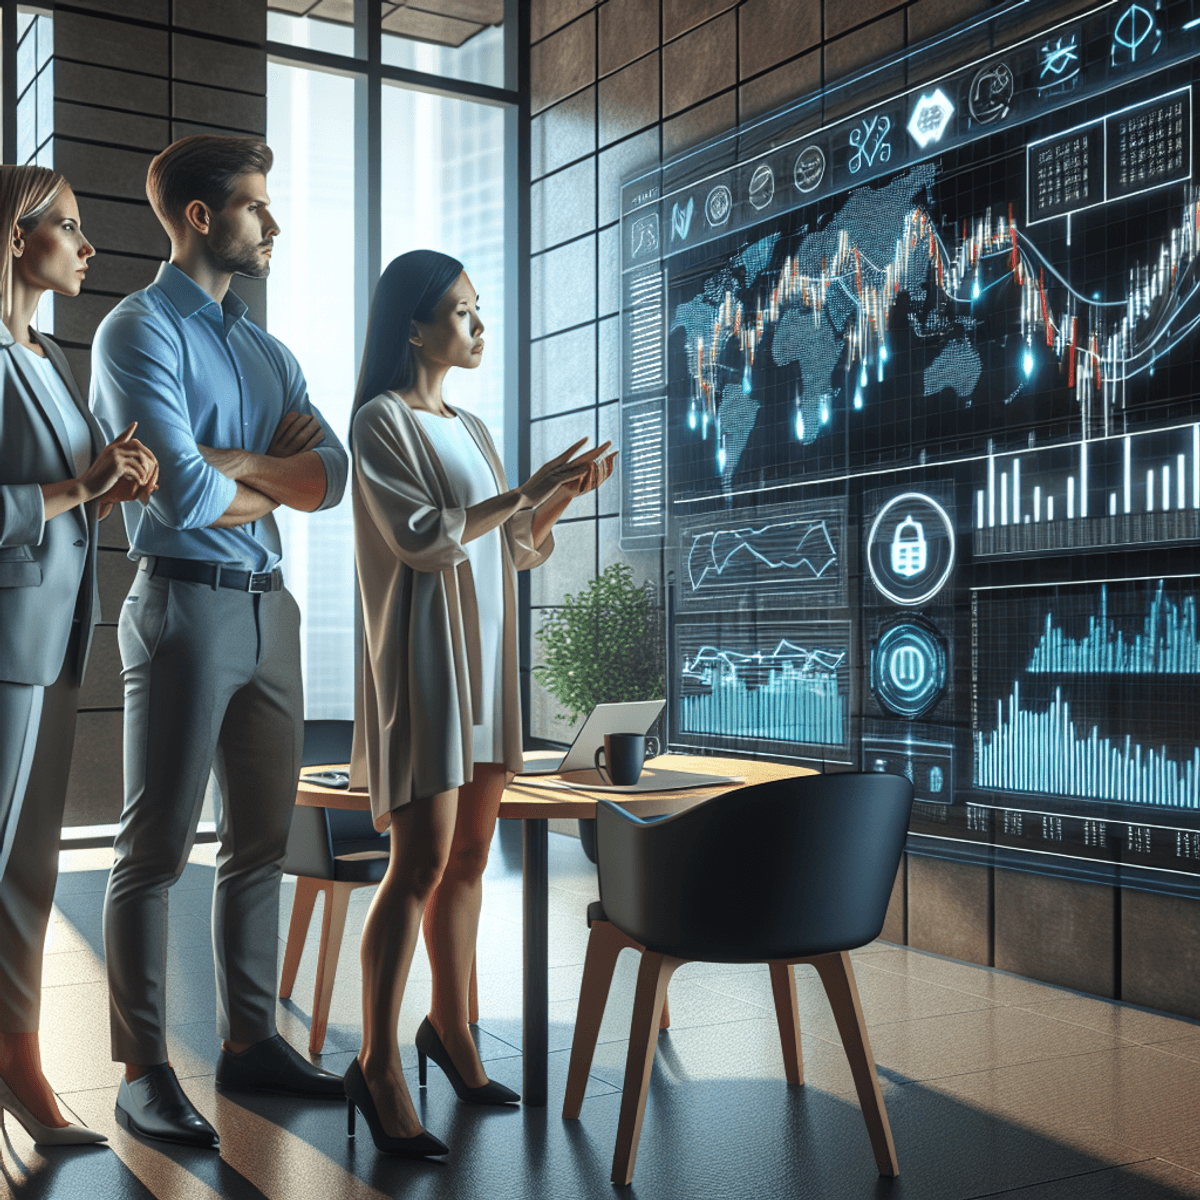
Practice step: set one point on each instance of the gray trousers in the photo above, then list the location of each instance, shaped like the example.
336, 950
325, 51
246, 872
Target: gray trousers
212, 685
37, 732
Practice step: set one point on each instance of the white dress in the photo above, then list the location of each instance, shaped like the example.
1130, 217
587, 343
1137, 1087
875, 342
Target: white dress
471, 480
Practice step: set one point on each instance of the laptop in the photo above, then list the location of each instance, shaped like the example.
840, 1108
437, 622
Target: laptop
637, 716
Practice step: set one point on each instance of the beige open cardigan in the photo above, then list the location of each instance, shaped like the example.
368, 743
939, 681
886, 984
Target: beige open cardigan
412, 736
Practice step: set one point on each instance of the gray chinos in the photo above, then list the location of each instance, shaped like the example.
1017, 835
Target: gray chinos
212, 683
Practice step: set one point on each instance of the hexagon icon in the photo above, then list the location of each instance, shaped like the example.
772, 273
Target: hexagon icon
930, 116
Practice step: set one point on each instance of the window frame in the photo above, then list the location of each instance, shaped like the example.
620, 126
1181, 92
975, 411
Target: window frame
370, 74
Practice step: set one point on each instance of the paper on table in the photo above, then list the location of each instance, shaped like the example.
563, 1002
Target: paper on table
652, 780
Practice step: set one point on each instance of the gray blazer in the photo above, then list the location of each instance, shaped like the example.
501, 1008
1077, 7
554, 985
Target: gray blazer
47, 568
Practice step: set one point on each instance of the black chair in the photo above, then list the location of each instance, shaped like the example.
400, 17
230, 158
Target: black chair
792, 871
331, 851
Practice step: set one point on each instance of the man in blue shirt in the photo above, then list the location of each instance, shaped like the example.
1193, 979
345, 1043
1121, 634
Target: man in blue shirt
209, 636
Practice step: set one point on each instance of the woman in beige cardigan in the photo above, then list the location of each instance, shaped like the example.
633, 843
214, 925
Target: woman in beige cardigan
439, 538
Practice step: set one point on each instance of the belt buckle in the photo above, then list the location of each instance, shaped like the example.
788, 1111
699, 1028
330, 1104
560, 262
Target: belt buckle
261, 581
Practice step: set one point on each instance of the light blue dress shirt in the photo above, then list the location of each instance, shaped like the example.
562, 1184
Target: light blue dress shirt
190, 370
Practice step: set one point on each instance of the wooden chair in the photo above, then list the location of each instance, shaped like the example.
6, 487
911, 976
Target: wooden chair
792, 871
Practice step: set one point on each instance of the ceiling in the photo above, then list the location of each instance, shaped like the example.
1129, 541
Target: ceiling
442, 22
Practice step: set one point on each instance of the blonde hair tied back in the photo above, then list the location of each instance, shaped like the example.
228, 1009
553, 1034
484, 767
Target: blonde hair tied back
25, 195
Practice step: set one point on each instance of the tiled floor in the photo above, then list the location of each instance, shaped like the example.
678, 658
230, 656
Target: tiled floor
995, 1085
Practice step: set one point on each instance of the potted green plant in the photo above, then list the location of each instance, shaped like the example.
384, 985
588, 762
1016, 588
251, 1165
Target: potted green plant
603, 646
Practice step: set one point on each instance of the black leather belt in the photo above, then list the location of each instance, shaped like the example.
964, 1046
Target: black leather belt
188, 570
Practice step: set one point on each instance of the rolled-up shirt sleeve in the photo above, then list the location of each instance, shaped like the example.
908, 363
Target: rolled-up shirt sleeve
136, 376
422, 535
331, 452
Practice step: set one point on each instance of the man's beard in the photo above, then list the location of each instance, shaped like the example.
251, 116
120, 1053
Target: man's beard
239, 258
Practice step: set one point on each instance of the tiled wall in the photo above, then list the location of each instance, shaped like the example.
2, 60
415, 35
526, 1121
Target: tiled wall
622, 85
131, 76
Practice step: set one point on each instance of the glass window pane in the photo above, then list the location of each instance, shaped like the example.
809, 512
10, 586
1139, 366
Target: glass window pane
26, 60
330, 27
310, 307
45, 103
443, 189
479, 59
45, 40
27, 126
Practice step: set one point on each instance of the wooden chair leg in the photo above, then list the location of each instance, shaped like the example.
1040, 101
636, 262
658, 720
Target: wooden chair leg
837, 975
654, 973
302, 909
665, 1022
333, 926
787, 1014
473, 994
605, 943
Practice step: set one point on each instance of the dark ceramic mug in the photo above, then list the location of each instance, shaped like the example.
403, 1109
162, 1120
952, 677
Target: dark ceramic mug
624, 754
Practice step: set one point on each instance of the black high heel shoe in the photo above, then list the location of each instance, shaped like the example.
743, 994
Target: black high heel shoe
358, 1096
429, 1045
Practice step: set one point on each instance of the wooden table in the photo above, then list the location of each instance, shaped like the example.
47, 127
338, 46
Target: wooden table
534, 806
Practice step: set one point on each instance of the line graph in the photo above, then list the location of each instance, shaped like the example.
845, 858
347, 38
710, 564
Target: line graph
781, 551
805, 547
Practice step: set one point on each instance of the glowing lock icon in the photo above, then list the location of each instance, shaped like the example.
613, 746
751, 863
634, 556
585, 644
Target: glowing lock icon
910, 553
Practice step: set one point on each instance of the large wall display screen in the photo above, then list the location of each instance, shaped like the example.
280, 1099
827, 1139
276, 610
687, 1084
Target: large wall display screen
910, 406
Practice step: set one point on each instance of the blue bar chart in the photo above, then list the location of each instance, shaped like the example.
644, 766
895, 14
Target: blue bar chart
1090, 691
1050, 752
1166, 644
786, 690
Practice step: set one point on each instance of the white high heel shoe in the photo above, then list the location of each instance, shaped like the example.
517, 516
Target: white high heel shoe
44, 1135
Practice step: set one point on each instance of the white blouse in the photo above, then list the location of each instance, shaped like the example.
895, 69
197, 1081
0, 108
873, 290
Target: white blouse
78, 434
471, 480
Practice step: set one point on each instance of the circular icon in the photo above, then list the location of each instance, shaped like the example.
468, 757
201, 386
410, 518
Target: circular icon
762, 187
719, 205
990, 97
908, 669
910, 549
809, 169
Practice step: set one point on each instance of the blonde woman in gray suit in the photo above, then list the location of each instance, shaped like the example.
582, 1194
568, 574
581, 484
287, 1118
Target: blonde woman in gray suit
439, 537
57, 478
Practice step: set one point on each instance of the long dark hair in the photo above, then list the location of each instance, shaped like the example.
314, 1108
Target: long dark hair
408, 291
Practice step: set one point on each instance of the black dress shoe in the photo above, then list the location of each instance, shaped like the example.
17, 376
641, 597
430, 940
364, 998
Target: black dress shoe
429, 1045
273, 1066
155, 1107
358, 1096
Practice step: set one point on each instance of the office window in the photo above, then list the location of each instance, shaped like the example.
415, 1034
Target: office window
439, 161
443, 189
35, 87
310, 307
35, 111
313, 32
479, 59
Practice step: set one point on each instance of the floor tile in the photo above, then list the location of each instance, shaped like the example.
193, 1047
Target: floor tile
1120, 1020
994, 1085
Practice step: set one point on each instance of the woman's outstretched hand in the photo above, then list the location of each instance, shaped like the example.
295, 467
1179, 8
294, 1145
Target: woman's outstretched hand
598, 472
567, 471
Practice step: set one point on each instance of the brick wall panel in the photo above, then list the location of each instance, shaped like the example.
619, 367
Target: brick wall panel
215, 106
132, 130
106, 170
88, 84
105, 42
218, 64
